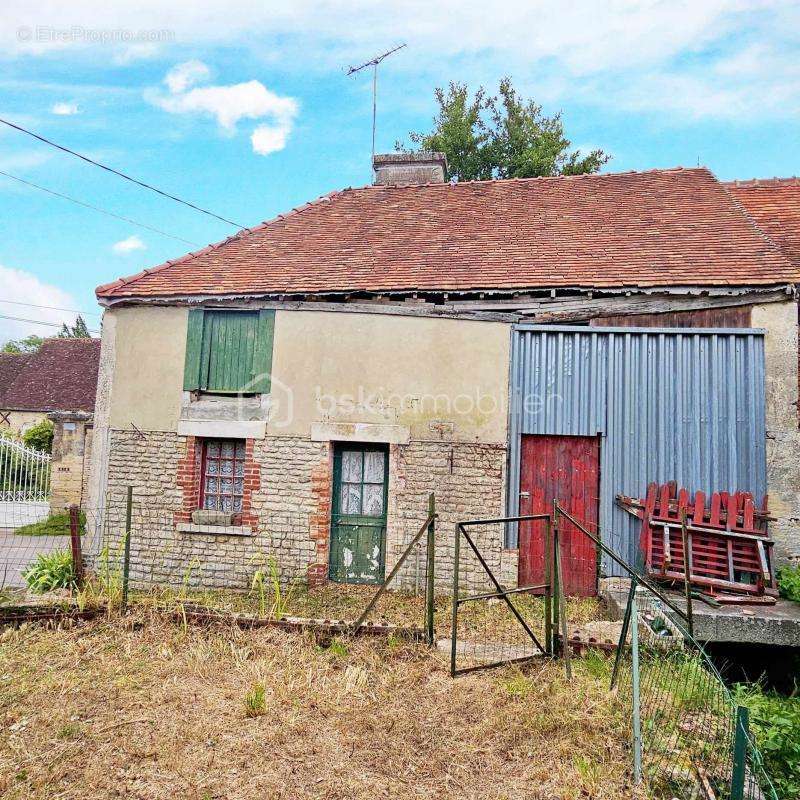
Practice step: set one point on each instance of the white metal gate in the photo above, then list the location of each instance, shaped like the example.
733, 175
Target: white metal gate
24, 483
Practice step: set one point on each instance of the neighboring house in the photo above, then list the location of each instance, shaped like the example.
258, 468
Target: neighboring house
297, 390
59, 382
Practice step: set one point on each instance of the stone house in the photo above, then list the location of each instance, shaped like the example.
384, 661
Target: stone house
296, 391
58, 382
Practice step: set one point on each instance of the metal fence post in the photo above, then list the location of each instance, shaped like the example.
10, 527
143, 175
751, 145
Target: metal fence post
555, 585
623, 636
740, 736
454, 632
126, 564
429, 571
637, 719
687, 572
548, 579
75, 544
562, 605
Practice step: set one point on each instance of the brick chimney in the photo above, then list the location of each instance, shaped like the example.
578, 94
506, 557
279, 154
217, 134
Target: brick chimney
403, 169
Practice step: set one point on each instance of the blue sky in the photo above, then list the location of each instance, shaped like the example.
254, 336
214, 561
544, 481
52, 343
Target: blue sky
245, 108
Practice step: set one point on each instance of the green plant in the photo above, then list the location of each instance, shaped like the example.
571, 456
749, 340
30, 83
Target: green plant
597, 665
40, 436
789, 582
54, 525
50, 571
272, 579
775, 725
255, 701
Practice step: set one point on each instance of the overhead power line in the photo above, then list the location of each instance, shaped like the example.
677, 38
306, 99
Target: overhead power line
96, 208
51, 308
39, 322
119, 174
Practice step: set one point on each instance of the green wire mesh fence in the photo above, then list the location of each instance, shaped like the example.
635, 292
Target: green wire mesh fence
689, 737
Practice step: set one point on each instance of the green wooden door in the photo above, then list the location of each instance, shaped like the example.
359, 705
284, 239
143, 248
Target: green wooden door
358, 519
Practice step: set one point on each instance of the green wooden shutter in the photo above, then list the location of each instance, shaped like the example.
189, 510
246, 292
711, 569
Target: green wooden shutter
262, 351
194, 345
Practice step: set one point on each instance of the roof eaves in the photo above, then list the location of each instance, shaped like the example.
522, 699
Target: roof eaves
108, 289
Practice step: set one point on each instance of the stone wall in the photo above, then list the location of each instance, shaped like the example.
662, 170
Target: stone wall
783, 435
289, 514
72, 447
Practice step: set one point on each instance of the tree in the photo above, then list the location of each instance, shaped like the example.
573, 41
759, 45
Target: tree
76, 331
32, 343
40, 436
501, 137
29, 344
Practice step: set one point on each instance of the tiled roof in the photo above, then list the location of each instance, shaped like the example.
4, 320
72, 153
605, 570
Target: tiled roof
61, 376
774, 203
663, 227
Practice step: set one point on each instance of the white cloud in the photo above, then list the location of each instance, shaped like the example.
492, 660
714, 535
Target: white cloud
230, 104
182, 76
566, 47
268, 139
24, 287
129, 245
65, 109
140, 51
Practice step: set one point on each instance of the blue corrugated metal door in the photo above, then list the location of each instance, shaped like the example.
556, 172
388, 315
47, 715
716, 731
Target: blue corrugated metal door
670, 404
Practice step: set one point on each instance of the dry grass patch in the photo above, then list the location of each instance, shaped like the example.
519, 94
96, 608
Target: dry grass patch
142, 708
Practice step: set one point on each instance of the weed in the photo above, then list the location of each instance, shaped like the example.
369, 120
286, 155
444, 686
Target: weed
50, 571
596, 664
272, 578
789, 582
69, 731
255, 701
518, 685
337, 648
775, 723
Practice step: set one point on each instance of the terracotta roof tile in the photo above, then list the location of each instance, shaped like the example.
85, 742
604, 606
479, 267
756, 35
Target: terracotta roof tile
61, 376
774, 204
663, 227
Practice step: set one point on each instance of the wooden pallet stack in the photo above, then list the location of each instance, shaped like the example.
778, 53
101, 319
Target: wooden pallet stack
729, 551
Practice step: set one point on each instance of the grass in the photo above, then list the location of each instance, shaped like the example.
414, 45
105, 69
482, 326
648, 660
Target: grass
142, 707
775, 725
54, 525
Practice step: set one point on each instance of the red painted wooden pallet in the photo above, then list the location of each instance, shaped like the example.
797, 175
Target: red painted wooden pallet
729, 549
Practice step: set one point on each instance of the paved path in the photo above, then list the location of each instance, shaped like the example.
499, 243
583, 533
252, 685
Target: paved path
16, 552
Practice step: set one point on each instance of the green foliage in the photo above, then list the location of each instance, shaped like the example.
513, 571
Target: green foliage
789, 582
775, 724
54, 525
271, 580
487, 137
50, 571
77, 331
40, 436
19, 472
255, 701
30, 344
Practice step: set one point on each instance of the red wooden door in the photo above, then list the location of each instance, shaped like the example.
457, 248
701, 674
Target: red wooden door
566, 468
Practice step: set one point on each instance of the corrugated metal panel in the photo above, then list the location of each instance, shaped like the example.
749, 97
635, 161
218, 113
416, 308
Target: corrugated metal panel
670, 404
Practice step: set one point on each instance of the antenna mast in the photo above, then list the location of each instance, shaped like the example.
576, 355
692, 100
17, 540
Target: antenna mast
373, 62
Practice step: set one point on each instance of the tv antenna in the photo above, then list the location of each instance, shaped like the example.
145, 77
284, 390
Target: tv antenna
373, 62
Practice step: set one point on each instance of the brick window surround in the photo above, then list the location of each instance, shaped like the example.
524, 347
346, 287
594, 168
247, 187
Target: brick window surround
190, 475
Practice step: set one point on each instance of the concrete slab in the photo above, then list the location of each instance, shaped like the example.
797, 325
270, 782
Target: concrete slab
771, 625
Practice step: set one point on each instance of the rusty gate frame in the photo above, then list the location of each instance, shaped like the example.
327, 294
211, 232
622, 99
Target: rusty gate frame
501, 592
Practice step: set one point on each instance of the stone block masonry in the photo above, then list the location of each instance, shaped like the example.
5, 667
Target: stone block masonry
286, 520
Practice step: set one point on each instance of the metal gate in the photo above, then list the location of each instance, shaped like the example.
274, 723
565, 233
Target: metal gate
24, 483
496, 627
